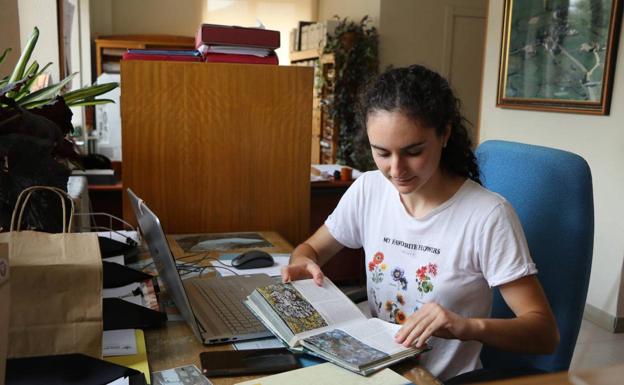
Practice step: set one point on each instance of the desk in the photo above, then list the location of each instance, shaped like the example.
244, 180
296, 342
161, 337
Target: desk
611, 375
176, 345
347, 267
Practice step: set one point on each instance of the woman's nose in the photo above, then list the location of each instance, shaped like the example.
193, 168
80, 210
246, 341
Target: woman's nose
397, 166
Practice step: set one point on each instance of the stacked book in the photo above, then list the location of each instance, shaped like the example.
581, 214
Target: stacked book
229, 44
220, 44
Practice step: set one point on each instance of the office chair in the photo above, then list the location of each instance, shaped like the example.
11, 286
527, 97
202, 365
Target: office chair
551, 191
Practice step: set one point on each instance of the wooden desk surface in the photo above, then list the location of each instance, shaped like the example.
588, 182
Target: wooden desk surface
612, 375
176, 345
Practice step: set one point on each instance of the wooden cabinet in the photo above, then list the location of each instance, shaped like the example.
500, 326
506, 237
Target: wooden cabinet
217, 147
324, 127
109, 49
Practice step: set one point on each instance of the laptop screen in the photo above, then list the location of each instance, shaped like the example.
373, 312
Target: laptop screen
163, 258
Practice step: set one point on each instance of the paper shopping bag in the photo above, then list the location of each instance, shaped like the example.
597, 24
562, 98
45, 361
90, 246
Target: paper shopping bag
4, 307
56, 292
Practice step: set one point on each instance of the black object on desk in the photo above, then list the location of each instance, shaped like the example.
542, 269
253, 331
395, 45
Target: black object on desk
74, 369
110, 248
253, 361
116, 275
120, 314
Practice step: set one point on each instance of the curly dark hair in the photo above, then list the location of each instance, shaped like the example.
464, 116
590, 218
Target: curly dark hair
424, 96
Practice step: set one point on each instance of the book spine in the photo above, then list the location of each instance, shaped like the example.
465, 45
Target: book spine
133, 56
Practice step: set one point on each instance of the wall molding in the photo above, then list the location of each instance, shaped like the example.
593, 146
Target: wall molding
603, 319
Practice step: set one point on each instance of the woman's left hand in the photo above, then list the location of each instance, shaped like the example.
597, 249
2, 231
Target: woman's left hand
431, 319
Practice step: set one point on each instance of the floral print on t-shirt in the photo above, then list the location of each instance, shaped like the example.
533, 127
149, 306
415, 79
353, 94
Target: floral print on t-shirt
397, 315
377, 267
391, 299
423, 278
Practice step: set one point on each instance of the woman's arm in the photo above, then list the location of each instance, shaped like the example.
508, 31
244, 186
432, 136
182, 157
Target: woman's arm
533, 330
306, 259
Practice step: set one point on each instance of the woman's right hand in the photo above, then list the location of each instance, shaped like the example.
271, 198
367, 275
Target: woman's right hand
303, 268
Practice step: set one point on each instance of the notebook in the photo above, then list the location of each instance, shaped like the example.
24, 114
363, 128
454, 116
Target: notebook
212, 306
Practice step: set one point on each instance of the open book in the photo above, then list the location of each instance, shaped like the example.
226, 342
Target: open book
324, 322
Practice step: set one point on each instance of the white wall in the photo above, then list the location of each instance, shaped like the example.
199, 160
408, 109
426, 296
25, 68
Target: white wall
351, 9
41, 13
599, 139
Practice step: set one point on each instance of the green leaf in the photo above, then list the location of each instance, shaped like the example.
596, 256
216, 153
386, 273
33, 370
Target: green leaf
18, 71
31, 81
6, 51
46, 93
91, 91
91, 102
29, 77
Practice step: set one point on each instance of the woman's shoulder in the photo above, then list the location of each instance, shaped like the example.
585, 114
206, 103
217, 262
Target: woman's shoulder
479, 196
370, 185
369, 178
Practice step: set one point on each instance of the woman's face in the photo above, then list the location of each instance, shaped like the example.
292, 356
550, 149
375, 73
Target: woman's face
405, 151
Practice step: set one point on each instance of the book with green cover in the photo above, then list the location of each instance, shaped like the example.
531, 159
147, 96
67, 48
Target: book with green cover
324, 322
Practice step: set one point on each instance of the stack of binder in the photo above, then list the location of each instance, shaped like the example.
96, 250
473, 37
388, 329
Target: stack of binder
217, 43
231, 44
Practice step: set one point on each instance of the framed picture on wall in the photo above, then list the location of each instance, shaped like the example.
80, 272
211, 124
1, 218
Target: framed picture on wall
559, 55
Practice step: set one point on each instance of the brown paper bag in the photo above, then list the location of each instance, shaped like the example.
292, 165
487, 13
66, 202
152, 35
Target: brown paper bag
4, 307
56, 290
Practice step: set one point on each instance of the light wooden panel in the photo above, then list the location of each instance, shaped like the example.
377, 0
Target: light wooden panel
218, 147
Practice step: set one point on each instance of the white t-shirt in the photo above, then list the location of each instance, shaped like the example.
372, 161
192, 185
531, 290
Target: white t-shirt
452, 256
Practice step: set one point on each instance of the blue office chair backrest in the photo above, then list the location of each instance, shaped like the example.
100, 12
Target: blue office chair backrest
551, 191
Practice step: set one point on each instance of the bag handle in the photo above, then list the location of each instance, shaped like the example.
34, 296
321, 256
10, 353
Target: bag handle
24, 196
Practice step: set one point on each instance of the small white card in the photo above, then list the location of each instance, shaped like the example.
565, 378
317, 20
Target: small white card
119, 343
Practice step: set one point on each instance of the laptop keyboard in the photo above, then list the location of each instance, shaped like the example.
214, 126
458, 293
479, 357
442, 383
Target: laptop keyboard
228, 306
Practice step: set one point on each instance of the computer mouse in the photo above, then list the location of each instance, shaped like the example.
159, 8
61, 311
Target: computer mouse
253, 259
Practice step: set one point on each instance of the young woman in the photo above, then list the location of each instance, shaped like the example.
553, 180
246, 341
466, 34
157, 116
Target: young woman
435, 240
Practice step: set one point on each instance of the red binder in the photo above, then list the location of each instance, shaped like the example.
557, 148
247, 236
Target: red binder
241, 59
161, 57
215, 34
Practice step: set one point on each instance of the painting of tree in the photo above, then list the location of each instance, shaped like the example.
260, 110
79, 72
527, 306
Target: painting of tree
558, 52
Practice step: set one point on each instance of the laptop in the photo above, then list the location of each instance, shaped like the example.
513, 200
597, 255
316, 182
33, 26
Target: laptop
212, 306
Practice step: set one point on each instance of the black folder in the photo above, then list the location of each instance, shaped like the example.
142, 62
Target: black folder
116, 275
67, 369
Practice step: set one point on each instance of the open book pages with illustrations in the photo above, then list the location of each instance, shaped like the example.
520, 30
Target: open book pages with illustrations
324, 322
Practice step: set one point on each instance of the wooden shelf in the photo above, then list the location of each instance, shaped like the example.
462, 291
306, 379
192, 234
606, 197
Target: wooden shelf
310, 54
324, 138
105, 45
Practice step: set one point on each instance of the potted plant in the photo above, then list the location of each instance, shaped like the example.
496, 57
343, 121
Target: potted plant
356, 57
35, 143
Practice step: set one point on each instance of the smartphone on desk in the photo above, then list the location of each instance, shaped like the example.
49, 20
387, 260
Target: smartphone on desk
253, 361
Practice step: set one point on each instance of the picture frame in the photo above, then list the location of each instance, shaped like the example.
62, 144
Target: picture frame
559, 55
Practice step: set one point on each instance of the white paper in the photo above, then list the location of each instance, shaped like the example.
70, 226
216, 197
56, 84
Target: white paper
120, 235
118, 259
264, 343
119, 343
120, 381
281, 260
125, 293
377, 334
329, 301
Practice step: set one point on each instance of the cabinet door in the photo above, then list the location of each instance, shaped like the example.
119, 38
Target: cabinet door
219, 147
